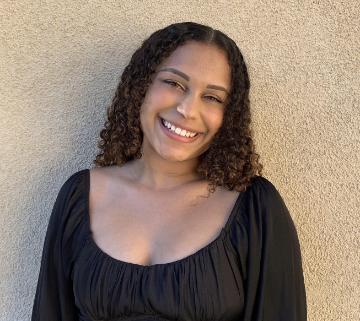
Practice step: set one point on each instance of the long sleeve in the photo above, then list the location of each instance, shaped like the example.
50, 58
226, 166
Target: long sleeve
274, 286
54, 299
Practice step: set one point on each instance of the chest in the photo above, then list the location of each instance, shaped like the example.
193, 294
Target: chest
148, 229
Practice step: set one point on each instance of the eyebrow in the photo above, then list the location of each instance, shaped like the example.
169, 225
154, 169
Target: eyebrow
186, 77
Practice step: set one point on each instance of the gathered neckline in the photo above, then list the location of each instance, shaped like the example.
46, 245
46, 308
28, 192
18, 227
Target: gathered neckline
224, 231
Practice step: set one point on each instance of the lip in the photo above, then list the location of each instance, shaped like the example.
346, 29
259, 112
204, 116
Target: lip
174, 136
183, 127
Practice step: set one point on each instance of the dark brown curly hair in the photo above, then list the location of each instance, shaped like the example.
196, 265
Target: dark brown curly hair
231, 160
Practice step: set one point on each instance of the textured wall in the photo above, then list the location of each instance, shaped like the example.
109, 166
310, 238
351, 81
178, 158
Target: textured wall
60, 62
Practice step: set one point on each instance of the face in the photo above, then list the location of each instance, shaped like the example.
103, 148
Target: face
185, 103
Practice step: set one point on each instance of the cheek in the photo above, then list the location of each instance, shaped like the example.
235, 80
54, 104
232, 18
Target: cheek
215, 120
158, 97
154, 102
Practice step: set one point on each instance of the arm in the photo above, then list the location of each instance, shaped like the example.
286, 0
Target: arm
275, 288
54, 299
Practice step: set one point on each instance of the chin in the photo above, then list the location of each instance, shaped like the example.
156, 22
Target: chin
175, 157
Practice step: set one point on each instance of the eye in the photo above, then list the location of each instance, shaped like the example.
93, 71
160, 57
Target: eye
172, 83
212, 98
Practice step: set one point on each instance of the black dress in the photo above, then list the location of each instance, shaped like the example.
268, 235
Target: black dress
251, 272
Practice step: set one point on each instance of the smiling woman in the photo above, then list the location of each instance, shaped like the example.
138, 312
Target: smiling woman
182, 94
175, 222
199, 71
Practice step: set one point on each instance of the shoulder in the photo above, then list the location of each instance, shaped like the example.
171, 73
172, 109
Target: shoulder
73, 189
262, 185
267, 203
108, 174
265, 191
67, 226
265, 217
73, 180
105, 180
71, 202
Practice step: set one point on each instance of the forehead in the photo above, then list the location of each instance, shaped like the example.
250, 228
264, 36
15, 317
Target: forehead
200, 62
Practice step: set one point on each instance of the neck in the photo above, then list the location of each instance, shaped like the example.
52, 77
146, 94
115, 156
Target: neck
154, 172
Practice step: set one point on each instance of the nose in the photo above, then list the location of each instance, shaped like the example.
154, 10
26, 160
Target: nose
187, 106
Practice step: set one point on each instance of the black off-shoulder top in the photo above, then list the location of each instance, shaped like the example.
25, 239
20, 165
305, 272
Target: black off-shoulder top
251, 272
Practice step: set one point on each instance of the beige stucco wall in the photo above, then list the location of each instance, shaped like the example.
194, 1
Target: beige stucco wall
60, 62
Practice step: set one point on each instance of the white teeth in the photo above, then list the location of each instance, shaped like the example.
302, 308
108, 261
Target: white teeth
177, 130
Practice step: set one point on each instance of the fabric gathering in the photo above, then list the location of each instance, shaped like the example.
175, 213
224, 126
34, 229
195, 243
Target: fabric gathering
251, 272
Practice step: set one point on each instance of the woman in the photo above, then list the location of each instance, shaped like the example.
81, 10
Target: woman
175, 222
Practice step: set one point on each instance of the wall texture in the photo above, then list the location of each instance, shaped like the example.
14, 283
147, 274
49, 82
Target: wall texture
60, 62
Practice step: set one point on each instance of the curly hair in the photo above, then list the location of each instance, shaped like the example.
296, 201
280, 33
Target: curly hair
231, 160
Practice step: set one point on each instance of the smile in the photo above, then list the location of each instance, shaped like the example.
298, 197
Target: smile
178, 133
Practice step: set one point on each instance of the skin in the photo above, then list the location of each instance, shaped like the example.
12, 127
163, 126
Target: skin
167, 163
151, 210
